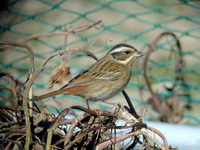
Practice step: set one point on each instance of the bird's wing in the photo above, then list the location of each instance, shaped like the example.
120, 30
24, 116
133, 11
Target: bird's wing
97, 73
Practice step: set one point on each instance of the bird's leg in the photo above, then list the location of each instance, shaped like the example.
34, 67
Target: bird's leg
87, 103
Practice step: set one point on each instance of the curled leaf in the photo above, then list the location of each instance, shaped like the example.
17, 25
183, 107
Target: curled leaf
59, 74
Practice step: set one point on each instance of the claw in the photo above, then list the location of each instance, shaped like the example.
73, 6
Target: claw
117, 104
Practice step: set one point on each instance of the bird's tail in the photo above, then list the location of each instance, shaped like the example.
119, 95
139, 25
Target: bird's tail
47, 95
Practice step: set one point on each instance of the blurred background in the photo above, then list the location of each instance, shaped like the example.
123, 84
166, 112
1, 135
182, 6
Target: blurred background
137, 22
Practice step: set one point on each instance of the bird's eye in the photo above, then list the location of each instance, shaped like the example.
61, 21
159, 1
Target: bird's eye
127, 52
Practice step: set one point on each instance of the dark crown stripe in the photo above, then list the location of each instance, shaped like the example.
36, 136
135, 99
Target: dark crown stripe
122, 45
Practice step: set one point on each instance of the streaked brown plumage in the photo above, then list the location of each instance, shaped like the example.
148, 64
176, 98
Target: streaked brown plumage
105, 78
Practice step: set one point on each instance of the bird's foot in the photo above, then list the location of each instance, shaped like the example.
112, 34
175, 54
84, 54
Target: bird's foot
116, 104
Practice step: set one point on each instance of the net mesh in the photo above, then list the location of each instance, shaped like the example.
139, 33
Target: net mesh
137, 23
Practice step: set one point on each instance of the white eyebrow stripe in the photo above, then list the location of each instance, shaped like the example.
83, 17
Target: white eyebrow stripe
118, 49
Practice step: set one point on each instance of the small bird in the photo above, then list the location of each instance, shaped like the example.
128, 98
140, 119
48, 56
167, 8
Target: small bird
104, 79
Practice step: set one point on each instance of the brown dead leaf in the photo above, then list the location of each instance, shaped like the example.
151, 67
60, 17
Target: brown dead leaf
37, 146
174, 108
38, 118
59, 74
16, 146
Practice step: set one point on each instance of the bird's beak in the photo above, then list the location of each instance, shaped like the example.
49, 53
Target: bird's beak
138, 54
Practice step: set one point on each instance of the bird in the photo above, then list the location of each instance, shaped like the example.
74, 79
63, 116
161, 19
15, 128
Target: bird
104, 79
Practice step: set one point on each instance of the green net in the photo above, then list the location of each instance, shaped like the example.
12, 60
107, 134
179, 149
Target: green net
137, 23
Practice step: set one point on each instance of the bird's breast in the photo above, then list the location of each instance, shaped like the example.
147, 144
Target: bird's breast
106, 90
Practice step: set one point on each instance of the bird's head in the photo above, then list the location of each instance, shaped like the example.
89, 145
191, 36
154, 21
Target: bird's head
124, 54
